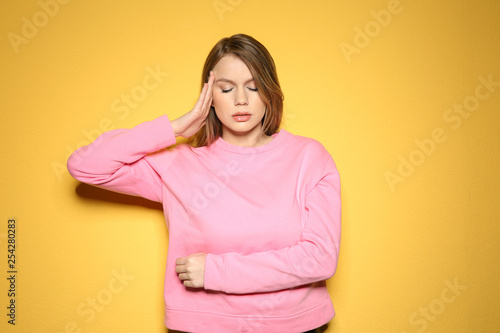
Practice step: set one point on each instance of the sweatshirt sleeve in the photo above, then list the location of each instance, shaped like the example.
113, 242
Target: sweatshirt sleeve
115, 160
314, 258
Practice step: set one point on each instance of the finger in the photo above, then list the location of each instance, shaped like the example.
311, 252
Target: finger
208, 94
183, 276
211, 80
180, 269
201, 98
181, 261
208, 104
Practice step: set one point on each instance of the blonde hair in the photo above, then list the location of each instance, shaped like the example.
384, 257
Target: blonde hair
261, 65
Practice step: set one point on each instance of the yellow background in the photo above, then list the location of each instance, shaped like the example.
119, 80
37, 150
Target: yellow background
403, 243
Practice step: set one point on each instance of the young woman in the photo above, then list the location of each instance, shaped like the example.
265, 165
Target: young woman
253, 211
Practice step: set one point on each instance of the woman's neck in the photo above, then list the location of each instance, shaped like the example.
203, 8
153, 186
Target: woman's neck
249, 139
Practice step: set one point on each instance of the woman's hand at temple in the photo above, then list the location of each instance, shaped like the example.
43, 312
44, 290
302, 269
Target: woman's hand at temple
189, 123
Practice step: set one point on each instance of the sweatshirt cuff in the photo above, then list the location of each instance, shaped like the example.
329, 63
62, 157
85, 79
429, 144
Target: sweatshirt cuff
215, 269
162, 132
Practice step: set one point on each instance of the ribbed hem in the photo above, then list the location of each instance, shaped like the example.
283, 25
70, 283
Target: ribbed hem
162, 132
215, 263
212, 322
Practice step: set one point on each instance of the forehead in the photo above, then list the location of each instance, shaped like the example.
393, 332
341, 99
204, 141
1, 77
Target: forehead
232, 67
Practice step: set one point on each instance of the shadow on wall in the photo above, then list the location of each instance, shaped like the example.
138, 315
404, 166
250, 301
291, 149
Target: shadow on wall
89, 192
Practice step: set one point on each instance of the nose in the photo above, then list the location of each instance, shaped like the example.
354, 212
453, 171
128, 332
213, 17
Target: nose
241, 98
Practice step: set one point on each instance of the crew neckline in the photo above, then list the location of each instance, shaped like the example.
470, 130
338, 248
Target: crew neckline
277, 138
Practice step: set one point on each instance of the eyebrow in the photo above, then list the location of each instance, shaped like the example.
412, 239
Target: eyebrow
230, 81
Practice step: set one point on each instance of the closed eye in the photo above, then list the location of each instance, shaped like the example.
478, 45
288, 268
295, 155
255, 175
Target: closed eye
225, 91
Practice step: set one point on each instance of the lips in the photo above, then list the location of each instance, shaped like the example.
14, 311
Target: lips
241, 116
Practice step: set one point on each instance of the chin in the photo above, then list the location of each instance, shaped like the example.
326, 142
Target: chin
242, 128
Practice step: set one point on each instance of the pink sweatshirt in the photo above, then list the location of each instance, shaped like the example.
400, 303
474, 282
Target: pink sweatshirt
268, 217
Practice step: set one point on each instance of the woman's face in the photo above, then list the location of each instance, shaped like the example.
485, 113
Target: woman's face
236, 100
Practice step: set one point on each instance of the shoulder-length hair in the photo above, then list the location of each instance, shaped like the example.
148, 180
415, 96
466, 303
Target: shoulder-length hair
261, 65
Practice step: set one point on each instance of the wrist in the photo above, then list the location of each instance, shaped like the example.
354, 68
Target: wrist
175, 127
